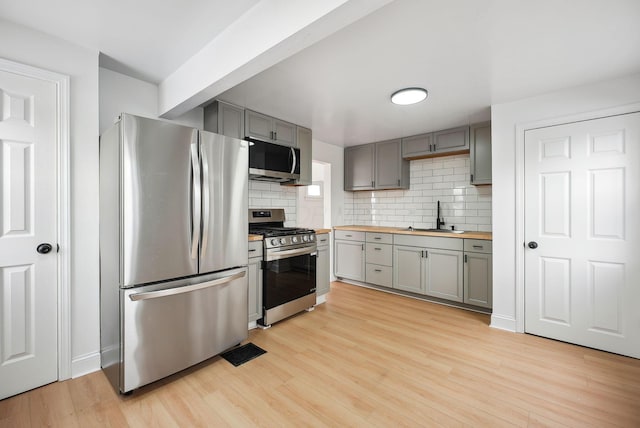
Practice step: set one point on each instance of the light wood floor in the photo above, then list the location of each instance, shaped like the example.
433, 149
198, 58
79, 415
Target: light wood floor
365, 358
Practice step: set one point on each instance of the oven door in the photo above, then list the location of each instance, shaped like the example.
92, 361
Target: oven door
289, 275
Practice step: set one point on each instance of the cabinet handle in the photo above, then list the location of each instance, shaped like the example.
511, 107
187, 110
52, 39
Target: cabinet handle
398, 181
275, 135
478, 246
465, 258
377, 270
426, 254
362, 247
373, 184
378, 249
472, 178
253, 250
322, 240
348, 236
377, 238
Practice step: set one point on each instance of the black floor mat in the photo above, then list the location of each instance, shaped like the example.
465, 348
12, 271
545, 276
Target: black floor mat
242, 354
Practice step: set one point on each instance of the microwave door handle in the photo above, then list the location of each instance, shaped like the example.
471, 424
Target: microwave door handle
195, 196
206, 200
295, 160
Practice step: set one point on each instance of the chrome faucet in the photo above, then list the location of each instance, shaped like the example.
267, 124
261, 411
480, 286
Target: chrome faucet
439, 220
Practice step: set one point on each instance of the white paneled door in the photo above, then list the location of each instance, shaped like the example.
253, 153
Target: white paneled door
28, 279
582, 231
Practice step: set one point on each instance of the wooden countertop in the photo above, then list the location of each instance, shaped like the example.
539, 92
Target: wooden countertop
403, 231
255, 237
321, 231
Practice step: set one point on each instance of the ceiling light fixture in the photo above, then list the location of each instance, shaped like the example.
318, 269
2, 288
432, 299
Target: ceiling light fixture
408, 96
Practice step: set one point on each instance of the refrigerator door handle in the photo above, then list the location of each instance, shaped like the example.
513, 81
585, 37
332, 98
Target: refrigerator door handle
195, 200
295, 160
206, 200
186, 289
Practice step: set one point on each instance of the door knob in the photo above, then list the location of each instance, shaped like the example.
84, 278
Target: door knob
533, 245
44, 248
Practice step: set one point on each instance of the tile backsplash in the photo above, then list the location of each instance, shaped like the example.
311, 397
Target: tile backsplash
263, 194
444, 179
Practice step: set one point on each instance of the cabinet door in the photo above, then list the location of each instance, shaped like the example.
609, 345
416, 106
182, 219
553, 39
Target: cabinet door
255, 289
408, 268
230, 120
444, 274
451, 140
478, 279
481, 153
359, 167
322, 271
389, 165
349, 260
258, 126
416, 146
284, 133
305, 145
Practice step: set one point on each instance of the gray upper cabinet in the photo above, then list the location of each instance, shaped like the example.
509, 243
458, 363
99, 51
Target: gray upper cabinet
417, 145
270, 129
481, 153
446, 142
376, 166
224, 118
359, 167
451, 140
305, 145
391, 171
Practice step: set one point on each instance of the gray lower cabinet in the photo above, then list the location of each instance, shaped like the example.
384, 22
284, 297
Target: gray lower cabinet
379, 259
444, 274
323, 279
480, 153
376, 166
255, 280
349, 255
409, 264
428, 265
224, 118
267, 128
478, 273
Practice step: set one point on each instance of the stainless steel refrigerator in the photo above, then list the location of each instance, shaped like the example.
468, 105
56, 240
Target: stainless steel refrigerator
173, 248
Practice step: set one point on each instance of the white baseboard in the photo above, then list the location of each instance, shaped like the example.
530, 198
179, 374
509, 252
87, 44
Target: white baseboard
321, 299
503, 323
252, 325
85, 364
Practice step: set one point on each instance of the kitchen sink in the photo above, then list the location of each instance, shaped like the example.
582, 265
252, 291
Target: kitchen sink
415, 229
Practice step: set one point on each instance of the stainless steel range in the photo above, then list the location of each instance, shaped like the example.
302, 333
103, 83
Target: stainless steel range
289, 266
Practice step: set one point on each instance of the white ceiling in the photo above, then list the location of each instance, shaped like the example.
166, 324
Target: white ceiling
469, 54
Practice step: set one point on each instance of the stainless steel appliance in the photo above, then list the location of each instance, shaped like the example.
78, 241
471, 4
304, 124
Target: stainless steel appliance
289, 266
173, 248
273, 162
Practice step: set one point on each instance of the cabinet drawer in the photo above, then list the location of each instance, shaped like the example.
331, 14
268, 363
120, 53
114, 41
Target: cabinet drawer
477, 246
255, 249
379, 254
380, 238
429, 242
379, 275
350, 235
322, 240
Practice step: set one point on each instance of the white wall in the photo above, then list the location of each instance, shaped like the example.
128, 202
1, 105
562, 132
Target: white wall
120, 93
505, 118
444, 179
26, 46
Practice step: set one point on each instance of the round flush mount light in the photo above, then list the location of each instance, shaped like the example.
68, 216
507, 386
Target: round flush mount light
408, 96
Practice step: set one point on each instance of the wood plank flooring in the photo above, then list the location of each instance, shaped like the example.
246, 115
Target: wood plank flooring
365, 358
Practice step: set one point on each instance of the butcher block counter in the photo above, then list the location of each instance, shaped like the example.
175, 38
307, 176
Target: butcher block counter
404, 231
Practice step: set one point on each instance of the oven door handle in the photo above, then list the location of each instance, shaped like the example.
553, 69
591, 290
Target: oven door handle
291, 253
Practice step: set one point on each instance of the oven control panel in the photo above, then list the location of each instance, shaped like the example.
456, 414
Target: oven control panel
284, 241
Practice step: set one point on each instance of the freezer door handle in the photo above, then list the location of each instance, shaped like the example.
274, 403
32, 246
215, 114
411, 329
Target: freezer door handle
195, 200
186, 289
206, 200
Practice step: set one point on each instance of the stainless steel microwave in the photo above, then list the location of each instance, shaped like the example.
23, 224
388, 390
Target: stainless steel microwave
273, 162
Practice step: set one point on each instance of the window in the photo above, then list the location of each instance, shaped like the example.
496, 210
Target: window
315, 190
